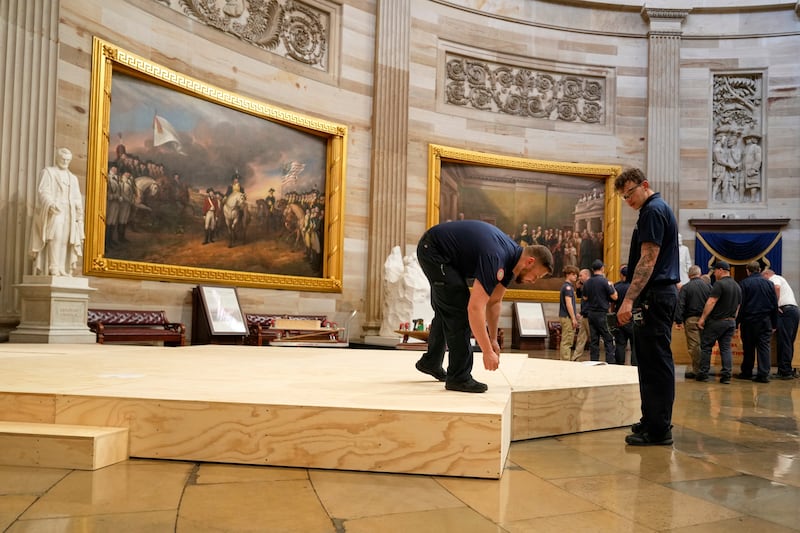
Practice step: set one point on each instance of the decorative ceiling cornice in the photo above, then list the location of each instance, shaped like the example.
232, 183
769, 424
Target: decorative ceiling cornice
649, 14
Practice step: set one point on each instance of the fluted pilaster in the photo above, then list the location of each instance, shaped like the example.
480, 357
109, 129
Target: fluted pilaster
663, 101
389, 149
29, 37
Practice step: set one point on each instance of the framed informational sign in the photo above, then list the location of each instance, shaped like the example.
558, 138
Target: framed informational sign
221, 306
530, 319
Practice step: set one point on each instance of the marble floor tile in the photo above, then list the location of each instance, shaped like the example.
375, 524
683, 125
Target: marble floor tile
12, 506
644, 502
28, 479
460, 519
150, 521
518, 495
349, 495
286, 506
749, 495
127, 487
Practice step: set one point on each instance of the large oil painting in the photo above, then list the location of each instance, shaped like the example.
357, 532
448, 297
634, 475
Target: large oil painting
570, 207
188, 182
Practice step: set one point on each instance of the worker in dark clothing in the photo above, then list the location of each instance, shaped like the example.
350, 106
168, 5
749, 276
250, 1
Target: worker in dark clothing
718, 322
623, 334
650, 304
598, 292
450, 254
757, 318
692, 299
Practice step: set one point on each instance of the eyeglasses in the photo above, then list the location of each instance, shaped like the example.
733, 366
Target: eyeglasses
629, 193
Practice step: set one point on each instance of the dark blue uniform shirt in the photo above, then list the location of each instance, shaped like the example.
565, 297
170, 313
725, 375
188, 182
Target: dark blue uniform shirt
477, 250
758, 299
597, 291
567, 290
657, 224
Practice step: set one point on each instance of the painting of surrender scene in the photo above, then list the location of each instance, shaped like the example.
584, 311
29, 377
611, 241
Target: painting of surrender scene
189, 182
568, 207
208, 186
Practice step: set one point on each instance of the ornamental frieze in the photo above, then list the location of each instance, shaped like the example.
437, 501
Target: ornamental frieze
288, 28
524, 92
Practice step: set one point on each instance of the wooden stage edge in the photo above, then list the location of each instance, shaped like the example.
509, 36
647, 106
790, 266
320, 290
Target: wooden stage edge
345, 409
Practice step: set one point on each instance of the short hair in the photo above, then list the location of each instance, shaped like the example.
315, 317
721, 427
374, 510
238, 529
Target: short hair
753, 267
694, 271
570, 269
542, 254
631, 175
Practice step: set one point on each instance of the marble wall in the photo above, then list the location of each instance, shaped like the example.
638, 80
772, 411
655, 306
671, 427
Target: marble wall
583, 39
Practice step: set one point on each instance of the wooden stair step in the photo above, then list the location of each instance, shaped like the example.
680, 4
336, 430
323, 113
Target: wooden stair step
61, 445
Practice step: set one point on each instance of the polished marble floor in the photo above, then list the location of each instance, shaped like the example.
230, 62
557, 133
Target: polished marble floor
735, 466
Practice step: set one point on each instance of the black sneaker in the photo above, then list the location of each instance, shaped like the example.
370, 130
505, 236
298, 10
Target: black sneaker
466, 386
438, 373
786, 375
702, 377
646, 439
689, 375
637, 428
743, 376
725, 379
761, 379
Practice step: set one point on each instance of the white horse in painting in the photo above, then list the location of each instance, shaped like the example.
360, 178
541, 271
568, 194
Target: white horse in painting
236, 217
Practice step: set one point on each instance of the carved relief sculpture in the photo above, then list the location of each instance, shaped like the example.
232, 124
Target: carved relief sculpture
523, 92
285, 27
736, 166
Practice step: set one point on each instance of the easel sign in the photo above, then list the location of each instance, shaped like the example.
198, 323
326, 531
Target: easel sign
528, 327
221, 305
531, 319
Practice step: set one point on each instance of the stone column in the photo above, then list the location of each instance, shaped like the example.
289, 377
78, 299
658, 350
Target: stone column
663, 101
28, 76
389, 149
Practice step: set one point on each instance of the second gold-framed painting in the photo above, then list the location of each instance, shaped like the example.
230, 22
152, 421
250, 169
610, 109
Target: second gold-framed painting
189, 182
569, 207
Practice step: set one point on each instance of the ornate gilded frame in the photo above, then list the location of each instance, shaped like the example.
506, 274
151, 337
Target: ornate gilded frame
108, 60
542, 172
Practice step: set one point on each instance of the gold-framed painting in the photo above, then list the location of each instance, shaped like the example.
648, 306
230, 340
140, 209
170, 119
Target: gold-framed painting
188, 182
570, 207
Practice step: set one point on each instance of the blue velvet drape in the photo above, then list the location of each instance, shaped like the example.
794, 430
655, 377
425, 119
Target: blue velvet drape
738, 248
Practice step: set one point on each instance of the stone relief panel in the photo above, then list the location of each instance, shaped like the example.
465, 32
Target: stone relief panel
737, 175
291, 29
524, 92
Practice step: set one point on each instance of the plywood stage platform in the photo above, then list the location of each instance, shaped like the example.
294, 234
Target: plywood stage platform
349, 409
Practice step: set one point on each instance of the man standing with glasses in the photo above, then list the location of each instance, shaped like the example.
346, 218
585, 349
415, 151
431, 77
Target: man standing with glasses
650, 304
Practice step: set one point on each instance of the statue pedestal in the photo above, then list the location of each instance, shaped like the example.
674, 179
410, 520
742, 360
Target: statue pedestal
54, 311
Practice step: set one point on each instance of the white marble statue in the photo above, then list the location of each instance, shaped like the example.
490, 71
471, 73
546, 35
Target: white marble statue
395, 309
407, 293
417, 290
57, 236
684, 260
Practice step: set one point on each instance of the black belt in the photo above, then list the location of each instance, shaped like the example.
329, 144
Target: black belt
788, 306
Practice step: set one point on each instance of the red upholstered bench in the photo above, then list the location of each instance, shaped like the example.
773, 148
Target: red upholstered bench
118, 325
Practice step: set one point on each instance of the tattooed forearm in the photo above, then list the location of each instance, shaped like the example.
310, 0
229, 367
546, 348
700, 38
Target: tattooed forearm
644, 269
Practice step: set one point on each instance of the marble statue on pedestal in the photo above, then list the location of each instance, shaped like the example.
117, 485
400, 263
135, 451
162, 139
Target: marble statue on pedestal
57, 235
